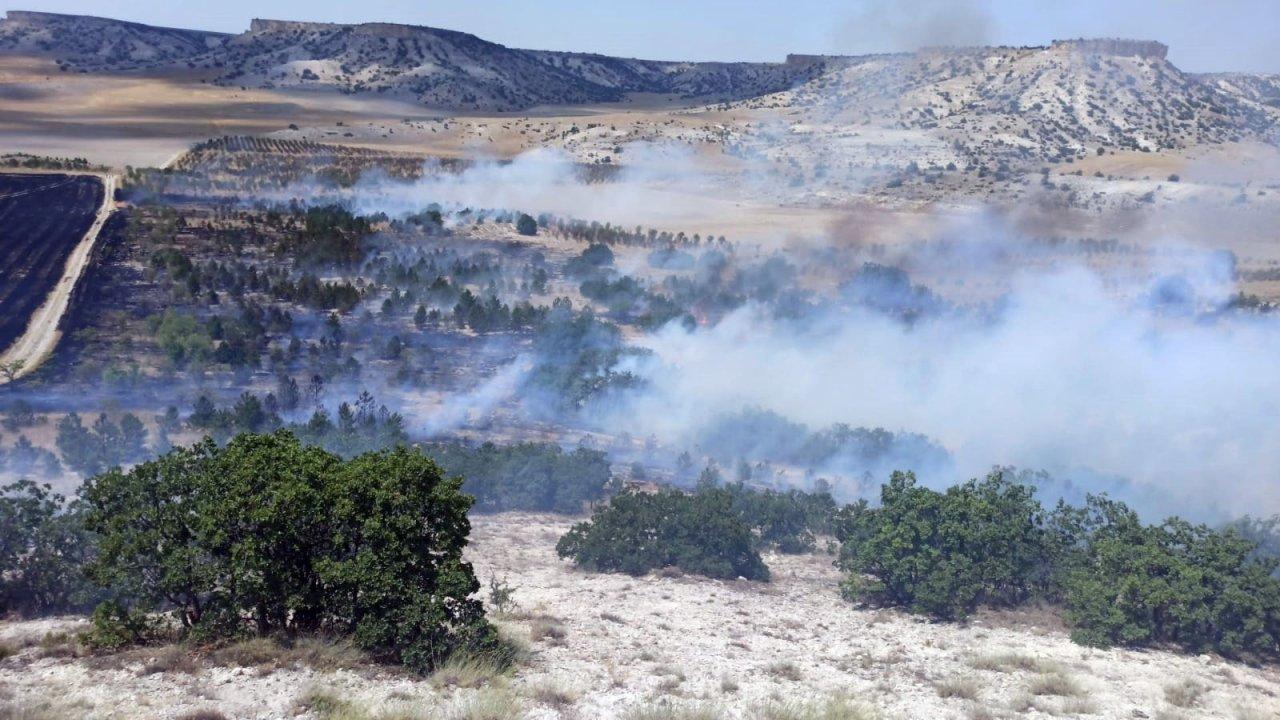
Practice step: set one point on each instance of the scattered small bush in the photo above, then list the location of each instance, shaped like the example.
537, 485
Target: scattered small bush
555, 695
1183, 694
785, 670
1054, 683
965, 688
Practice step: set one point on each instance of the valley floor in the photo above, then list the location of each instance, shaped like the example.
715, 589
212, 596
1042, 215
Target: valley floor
602, 646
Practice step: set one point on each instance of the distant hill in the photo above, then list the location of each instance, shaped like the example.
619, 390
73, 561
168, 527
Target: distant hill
1038, 103
96, 44
439, 68
1033, 103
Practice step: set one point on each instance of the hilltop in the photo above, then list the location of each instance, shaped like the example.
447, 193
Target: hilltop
436, 67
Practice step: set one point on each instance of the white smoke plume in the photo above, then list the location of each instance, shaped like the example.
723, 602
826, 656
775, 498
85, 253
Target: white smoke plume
1066, 377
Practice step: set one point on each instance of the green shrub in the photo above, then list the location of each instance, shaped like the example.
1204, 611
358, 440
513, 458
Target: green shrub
268, 536
788, 521
1175, 583
637, 532
527, 476
43, 547
990, 542
113, 626
945, 553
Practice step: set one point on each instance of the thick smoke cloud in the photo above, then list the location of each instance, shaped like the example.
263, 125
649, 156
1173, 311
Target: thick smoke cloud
1066, 377
1129, 376
660, 184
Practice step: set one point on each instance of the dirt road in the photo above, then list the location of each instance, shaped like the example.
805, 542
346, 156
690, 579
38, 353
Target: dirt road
41, 336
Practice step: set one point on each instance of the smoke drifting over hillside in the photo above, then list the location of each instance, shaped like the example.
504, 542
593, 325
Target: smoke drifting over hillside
1065, 378
1132, 381
652, 188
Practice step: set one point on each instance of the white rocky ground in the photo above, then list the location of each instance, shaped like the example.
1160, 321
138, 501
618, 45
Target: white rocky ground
604, 646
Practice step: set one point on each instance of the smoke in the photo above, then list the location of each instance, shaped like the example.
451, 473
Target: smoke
663, 185
1126, 379
887, 26
1066, 377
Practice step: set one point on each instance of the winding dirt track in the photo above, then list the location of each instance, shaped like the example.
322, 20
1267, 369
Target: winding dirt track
37, 342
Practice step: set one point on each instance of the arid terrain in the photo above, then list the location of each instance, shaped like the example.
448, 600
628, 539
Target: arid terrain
749, 293
605, 645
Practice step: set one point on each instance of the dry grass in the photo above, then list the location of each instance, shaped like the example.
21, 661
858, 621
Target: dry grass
547, 630
203, 715
317, 653
8, 650
1079, 706
836, 708
666, 710
487, 704
962, 687
1183, 694
1057, 684
785, 670
1011, 662
13, 711
467, 670
555, 695
171, 659
728, 685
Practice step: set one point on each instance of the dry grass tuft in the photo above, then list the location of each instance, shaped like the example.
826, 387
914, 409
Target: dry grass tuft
550, 631
964, 688
1183, 694
1058, 684
555, 695
785, 670
467, 670
835, 708
487, 704
317, 653
666, 710
13, 711
1010, 662
171, 659
203, 715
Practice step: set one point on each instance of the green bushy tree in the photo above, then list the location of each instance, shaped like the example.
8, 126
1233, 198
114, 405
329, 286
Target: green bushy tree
1175, 583
267, 535
636, 532
945, 553
43, 549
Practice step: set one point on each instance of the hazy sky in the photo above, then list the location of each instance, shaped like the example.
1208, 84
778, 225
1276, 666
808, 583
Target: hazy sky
1204, 35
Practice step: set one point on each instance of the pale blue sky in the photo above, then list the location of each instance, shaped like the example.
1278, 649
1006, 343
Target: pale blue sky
1204, 35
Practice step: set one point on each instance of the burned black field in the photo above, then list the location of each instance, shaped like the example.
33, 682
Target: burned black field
42, 217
